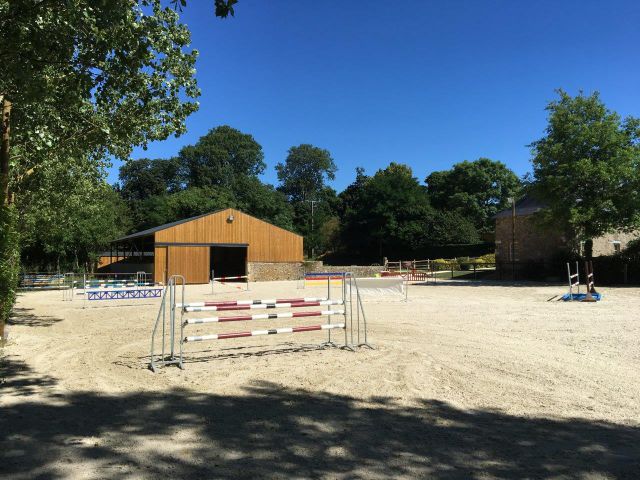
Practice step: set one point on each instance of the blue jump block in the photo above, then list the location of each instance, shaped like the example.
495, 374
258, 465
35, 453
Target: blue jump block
580, 296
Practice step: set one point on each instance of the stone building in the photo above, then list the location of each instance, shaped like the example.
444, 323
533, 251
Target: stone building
534, 243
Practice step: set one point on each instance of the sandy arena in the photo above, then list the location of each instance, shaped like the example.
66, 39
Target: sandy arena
466, 381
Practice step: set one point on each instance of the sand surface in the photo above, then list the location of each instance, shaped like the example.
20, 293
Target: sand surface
467, 380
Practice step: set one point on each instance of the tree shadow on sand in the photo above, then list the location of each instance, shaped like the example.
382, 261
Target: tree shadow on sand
23, 316
276, 432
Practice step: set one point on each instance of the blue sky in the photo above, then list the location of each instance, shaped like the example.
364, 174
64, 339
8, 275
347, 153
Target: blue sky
426, 83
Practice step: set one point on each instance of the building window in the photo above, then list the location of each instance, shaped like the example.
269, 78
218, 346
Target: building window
616, 246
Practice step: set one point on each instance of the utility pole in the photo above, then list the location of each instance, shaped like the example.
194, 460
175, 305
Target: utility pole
313, 210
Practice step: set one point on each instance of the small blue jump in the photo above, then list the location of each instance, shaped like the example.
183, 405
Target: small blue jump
580, 296
123, 294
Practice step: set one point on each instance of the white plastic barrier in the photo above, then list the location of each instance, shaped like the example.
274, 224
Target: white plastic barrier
382, 287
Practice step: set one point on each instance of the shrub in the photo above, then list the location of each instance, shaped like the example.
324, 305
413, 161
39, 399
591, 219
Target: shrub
9, 262
445, 264
487, 258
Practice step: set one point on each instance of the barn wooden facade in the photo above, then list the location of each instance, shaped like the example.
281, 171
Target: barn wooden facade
226, 242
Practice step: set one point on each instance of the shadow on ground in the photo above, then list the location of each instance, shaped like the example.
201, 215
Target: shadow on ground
23, 316
468, 282
276, 432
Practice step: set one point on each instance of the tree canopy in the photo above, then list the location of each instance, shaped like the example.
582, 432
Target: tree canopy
85, 81
68, 217
389, 214
477, 190
219, 171
303, 179
90, 80
220, 158
144, 178
587, 168
305, 171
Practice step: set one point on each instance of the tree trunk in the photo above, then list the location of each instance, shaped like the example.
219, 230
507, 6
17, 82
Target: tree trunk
5, 198
4, 152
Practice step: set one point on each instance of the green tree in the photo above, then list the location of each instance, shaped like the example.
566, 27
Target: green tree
303, 179
161, 209
587, 168
144, 178
221, 170
67, 216
264, 201
223, 8
88, 80
220, 158
120, 75
476, 190
304, 173
389, 214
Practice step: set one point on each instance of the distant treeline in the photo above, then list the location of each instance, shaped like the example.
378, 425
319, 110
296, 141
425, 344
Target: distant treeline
390, 213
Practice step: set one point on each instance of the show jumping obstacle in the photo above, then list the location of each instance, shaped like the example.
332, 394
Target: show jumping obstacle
124, 294
129, 280
83, 283
592, 295
574, 282
384, 287
118, 288
171, 312
41, 281
411, 270
224, 280
314, 279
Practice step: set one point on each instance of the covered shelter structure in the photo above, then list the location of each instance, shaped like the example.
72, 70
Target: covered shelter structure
227, 242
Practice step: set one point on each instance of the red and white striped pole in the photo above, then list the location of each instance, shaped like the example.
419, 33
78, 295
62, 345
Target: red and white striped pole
190, 307
224, 279
271, 331
263, 316
252, 302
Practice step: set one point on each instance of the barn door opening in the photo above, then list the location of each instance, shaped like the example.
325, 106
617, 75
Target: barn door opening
228, 261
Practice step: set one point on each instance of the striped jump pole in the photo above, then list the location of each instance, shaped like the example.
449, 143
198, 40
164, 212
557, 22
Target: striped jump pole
224, 279
271, 331
190, 307
254, 302
263, 316
589, 280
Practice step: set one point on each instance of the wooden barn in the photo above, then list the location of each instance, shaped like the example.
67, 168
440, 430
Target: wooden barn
227, 242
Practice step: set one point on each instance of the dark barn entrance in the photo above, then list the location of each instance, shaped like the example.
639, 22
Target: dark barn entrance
228, 261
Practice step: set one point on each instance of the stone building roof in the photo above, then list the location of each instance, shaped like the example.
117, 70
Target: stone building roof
525, 206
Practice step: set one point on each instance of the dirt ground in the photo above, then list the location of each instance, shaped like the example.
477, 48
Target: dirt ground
467, 380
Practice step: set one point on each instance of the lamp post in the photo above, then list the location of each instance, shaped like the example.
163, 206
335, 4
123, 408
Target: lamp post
313, 207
